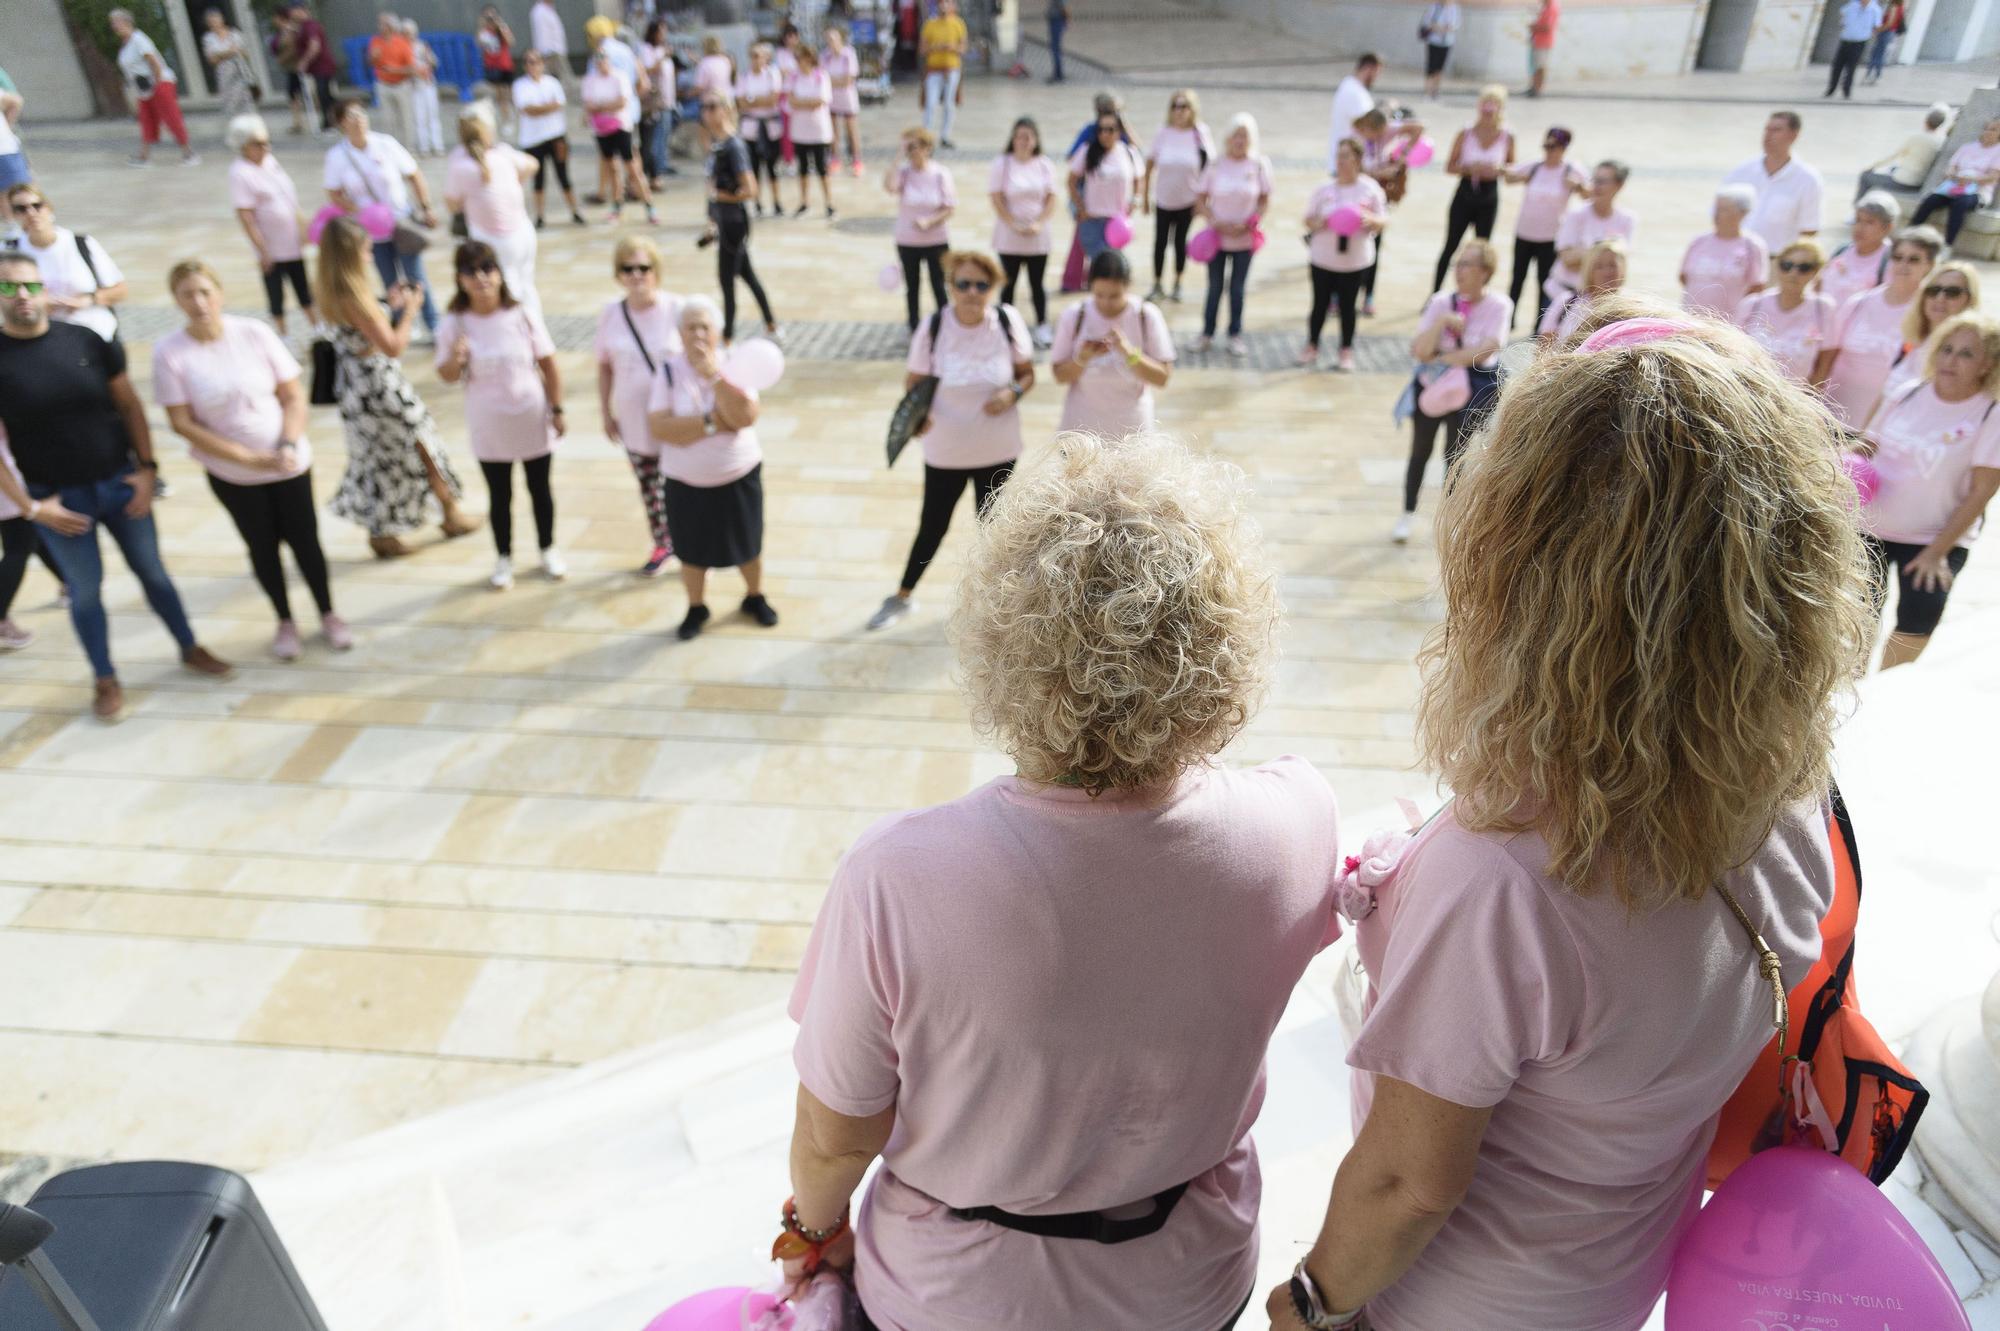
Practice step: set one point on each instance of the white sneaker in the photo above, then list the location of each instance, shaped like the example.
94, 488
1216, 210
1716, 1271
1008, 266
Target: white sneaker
554, 566
775, 333
893, 608
1201, 344
503, 574
1400, 533
1045, 336
1238, 348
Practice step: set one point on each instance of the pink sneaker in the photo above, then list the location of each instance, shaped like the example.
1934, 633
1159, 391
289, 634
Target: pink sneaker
13, 637
286, 645
1347, 359
338, 635
859, 169
1309, 355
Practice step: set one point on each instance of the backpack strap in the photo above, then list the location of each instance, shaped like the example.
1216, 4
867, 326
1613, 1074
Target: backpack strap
1007, 324
937, 322
83, 251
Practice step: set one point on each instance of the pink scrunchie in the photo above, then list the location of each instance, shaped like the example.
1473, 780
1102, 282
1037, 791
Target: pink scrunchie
1634, 333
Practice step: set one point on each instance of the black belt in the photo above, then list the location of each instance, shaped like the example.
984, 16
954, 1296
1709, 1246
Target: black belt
1093, 1225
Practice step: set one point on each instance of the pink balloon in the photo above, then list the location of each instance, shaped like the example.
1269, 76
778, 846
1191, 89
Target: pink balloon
1861, 470
1203, 245
756, 364
1256, 241
1796, 1234
1422, 151
377, 220
717, 1310
890, 278
1118, 233
1344, 220
319, 221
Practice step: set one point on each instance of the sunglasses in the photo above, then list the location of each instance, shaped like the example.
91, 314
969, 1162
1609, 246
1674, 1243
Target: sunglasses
21, 288
1939, 289
1177, 106
970, 284
1798, 266
628, 269
1107, 129
479, 269
32, 206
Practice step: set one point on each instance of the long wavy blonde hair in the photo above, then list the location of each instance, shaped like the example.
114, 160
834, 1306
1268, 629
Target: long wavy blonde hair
343, 283
1115, 623
1655, 601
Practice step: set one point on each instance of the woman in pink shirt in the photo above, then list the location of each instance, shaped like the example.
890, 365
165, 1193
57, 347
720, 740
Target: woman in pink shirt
1481, 155
1604, 270
1463, 329
1868, 330
487, 182
499, 349
715, 72
1968, 182
1104, 179
1059, 1045
1232, 196
1791, 322
232, 390
759, 90
1110, 353
1548, 186
1180, 153
1340, 263
1560, 996
267, 205
984, 365
925, 201
842, 64
811, 94
635, 335
1936, 446
713, 468
1022, 186
1864, 261
1951, 289
1581, 228
1722, 267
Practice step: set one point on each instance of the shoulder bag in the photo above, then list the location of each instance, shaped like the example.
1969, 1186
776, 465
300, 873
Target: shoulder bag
408, 238
1449, 392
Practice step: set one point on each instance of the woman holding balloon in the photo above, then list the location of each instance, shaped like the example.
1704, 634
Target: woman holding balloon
1342, 221
1104, 176
372, 178
1231, 196
1463, 331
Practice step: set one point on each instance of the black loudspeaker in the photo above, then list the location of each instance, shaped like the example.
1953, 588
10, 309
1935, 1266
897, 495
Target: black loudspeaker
147, 1246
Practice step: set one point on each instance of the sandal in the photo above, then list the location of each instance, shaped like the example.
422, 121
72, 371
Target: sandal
389, 547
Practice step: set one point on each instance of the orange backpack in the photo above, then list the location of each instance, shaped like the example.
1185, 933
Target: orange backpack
1842, 1089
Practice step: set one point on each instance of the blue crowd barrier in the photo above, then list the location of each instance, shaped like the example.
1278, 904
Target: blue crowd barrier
457, 56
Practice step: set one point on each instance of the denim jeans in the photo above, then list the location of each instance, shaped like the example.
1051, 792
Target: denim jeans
941, 96
654, 143
82, 564
411, 267
1090, 235
1878, 54
1238, 264
1057, 27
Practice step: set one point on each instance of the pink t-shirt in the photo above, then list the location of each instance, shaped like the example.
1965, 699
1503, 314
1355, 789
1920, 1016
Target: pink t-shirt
506, 407
1719, 273
1976, 159
631, 373
1025, 188
1178, 156
1110, 189
1849, 273
1232, 186
1073, 1017
1563, 315
493, 207
711, 74
1909, 368
267, 191
1581, 228
843, 64
1486, 321
1324, 248
1605, 1045
1793, 337
712, 460
754, 84
230, 386
815, 125
920, 194
1471, 152
971, 365
1109, 397
1545, 196
1925, 451
1868, 332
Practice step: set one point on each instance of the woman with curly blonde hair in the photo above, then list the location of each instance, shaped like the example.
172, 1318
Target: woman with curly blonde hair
1064, 1031
1655, 600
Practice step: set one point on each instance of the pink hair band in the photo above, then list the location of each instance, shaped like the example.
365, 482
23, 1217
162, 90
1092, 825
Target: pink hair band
1634, 333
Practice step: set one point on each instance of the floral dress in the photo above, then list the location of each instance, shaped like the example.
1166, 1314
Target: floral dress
387, 488
234, 78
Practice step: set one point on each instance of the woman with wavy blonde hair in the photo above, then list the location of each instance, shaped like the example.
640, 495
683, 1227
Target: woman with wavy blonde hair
1655, 600
1065, 1033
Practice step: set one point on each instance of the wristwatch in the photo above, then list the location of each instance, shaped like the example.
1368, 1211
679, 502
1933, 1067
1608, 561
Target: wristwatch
1312, 1309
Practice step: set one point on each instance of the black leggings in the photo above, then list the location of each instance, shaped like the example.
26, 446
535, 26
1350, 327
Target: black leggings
732, 260
1171, 223
1327, 286
942, 487
1458, 427
18, 541
765, 139
1037, 265
283, 270
267, 516
1368, 276
812, 159
926, 256
1541, 255
546, 153
1474, 205
500, 501
1917, 612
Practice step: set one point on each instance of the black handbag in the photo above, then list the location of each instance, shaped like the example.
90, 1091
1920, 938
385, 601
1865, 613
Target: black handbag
326, 373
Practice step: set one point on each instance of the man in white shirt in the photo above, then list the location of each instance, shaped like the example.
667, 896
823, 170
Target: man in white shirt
364, 168
1788, 190
1351, 101
1858, 21
1910, 165
545, 34
82, 280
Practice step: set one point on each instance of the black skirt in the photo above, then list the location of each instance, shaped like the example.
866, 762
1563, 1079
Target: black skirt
717, 526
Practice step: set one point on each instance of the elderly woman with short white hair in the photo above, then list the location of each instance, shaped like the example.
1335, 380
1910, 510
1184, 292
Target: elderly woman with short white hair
1231, 195
1123, 905
1863, 262
1729, 263
711, 467
267, 205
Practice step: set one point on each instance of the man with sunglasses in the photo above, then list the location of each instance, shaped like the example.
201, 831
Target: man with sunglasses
79, 435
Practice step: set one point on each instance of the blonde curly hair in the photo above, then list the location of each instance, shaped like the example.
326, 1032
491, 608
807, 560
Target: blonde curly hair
1656, 598
1115, 624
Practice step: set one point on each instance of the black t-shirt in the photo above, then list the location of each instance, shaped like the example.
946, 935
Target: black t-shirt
55, 400
728, 163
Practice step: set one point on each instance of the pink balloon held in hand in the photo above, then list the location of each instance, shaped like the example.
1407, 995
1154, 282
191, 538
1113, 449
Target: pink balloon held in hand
377, 220
1203, 245
1344, 220
718, 1310
1422, 151
1118, 233
756, 364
